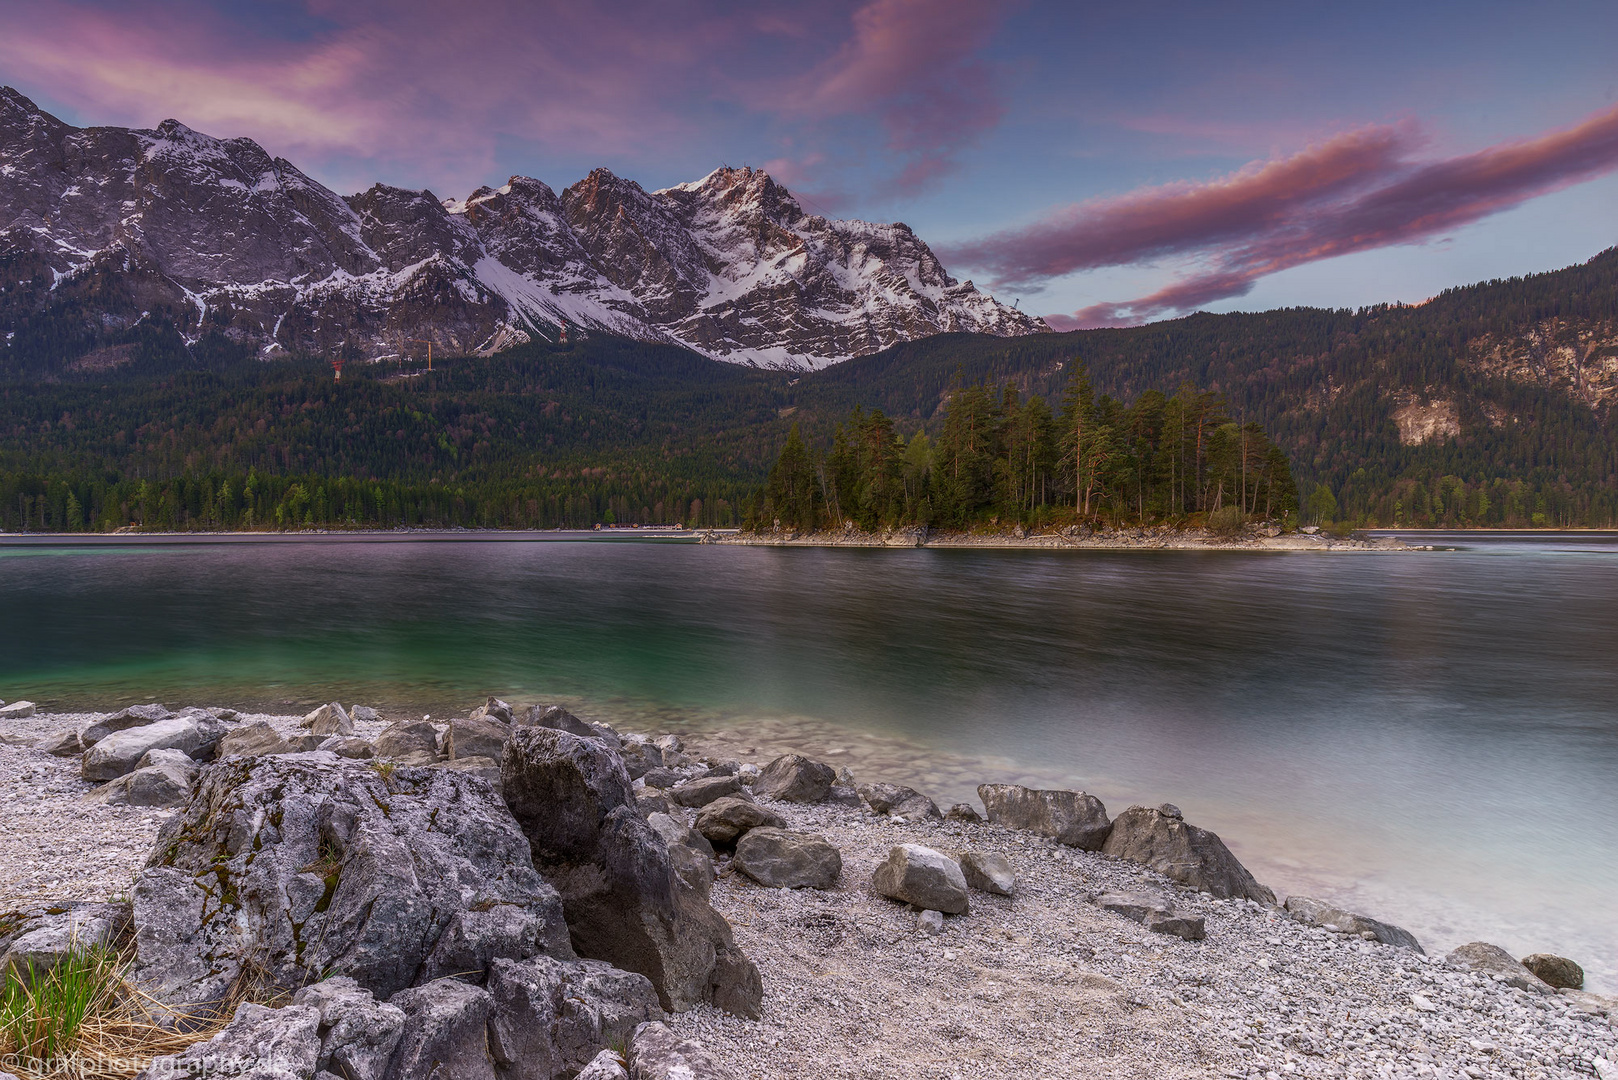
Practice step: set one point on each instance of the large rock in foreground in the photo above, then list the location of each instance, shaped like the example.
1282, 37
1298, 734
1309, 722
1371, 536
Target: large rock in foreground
921, 876
623, 900
284, 869
1196, 858
1068, 817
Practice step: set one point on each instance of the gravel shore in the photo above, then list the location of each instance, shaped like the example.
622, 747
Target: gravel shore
1044, 983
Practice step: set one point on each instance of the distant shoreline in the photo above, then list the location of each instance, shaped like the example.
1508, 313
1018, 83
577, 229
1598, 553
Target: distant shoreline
1152, 538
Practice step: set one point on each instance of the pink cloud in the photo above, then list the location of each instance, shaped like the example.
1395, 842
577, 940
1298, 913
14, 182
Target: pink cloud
435, 92
1354, 192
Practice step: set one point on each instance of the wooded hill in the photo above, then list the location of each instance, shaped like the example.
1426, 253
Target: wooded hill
1489, 405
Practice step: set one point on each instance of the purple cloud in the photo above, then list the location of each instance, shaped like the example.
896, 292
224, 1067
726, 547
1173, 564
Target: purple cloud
1355, 192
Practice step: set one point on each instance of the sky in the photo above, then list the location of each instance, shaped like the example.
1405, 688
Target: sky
1097, 163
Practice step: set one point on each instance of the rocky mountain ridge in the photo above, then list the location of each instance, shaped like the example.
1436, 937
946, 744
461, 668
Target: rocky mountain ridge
119, 224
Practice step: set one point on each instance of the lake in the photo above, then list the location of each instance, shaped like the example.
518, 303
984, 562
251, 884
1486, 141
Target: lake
1431, 738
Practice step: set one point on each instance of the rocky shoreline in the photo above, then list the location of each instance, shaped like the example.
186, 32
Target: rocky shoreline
521, 893
1150, 538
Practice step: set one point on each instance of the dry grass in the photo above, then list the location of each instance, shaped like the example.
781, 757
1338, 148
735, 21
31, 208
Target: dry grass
83, 1020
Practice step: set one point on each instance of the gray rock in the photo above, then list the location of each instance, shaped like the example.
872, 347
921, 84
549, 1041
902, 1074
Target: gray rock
363, 714
988, 873
358, 1033
656, 1053
606, 1065
688, 850
930, 922
161, 778
662, 778
749, 773
445, 1033
696, 793
477, 737
18, 710
1156, 913
1555, 971
724, 821
134, 716
653, 802
1493, 960
305, 744
496, 710
554, 716
670, 744
405, 738
963, 812
781, 859
838, 795
119, 752
641, 756
63, 744
794, 778
1068, 817
250, 740
1313, 912
553, 1018
258, 1044
484, 768
311, 864
1196, 858
37, 939
331, 719
349, 746
623, 900
679, 834
904, 803
923, 877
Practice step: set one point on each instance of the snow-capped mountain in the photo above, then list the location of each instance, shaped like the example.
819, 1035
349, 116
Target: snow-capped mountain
119, 223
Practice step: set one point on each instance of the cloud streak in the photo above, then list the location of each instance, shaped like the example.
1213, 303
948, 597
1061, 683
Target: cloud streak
1360, 190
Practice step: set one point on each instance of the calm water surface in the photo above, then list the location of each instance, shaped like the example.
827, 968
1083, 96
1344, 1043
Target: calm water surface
1430, 737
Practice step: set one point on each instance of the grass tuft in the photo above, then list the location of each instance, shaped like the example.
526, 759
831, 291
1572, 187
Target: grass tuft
80, 1018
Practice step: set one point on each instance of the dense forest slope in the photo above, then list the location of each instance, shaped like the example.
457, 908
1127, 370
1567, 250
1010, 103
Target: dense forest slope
1489, 405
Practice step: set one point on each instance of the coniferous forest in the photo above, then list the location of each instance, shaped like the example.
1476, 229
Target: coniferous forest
1283, 411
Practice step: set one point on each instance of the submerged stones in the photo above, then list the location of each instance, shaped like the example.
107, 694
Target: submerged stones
1068, 817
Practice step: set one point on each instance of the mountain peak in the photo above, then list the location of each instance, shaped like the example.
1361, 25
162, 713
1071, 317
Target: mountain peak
236, 242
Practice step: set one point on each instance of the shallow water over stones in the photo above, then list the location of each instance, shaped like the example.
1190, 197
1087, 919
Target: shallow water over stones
1428, 738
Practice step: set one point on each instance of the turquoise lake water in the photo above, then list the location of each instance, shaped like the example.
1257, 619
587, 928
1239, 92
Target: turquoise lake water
1432, 737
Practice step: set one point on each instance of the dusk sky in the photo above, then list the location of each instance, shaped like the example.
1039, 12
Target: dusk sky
1102, 163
